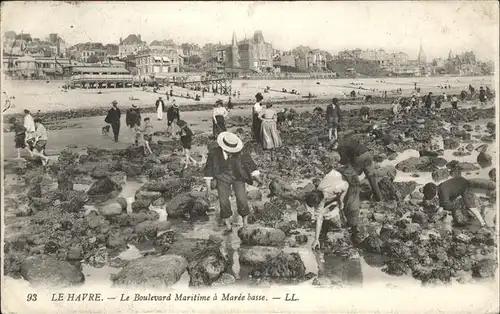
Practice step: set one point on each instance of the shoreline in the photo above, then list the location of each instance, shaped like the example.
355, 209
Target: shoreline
74, 113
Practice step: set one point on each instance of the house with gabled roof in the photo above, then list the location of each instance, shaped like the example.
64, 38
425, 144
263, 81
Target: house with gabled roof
131, 45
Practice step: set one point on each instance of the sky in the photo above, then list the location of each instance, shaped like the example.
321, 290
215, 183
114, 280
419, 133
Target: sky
331, 26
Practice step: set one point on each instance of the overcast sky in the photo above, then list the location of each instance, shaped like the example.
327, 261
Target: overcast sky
332, 26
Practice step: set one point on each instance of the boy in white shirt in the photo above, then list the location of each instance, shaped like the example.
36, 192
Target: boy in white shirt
327, 201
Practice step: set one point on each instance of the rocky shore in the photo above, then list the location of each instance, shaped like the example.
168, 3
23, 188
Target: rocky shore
73, 212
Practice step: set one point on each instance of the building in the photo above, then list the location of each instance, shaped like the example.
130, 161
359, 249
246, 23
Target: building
131, 45
59, 43
249, 54
88, 52
189, 50
112, 50
156, 61
37, 67
93, 77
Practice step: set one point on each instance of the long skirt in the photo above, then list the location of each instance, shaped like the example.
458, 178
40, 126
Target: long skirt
270, 136
256, 127
220, 126
159, 112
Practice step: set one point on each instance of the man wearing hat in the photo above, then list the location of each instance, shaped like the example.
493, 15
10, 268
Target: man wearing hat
113, 118
172, 114
231, 168
160, 107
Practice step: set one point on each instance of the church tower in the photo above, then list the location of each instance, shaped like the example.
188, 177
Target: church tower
235, 56
421, 55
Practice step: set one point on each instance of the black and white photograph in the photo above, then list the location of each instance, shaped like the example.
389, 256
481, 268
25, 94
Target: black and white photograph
249, 157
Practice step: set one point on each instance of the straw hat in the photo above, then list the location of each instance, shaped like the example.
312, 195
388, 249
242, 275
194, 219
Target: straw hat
175, 105
229, 142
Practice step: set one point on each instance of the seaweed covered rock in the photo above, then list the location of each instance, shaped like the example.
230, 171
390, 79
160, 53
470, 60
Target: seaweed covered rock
46, 270
257, 235
485, 269
440, 174
187, 203
153, 272
284, 265
104, 186
206, 267
257, 255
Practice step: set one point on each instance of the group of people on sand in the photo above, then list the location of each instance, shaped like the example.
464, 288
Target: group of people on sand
31, 136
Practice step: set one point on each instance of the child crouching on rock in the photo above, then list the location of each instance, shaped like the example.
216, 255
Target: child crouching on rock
186, 140
450, 190
335, 201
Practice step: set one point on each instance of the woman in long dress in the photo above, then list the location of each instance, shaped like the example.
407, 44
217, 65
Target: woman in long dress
219, 115
270, 137
256, 121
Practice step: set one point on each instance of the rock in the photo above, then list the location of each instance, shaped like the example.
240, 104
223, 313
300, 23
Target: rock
451, 143
75, 253
284, 265
396, 190
186, 203
254, 195
462, 166
385, 172
484, 160
111, 209
257, 235
372, 244
493, 174
491, 126
482, 148
153, 272
420, 218
142, 204
393, 148
414, 164
206, 267
469, 147
484, 269
46, 270
301, 238
440, 174
103, 186
116, 240
224, 280
148, 196
257, 255
147, 228
159, 202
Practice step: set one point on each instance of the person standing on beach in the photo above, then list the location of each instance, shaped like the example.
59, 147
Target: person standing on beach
172, 114
133, 117
29, 124
40, 141
333, 117
454, 102
256, 121
160, 107
482, 95
270, 136
231, 168
113, 118
19, 137
186, 136
428, 102
218, 116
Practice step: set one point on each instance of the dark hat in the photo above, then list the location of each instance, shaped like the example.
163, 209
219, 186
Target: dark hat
259, 96
218, 102
335, 101
114, 102
134, 106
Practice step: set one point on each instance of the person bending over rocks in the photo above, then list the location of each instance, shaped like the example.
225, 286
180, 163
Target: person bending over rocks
353, 152
336, 202
450, 190
230, 167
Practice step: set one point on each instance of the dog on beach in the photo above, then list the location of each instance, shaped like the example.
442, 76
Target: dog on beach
105, 130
